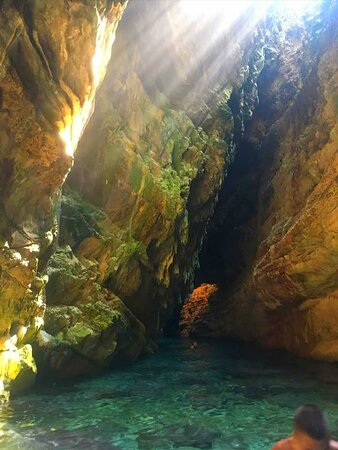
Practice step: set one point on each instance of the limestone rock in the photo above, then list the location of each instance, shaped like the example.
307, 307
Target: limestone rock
145, 180
88, 327
280, 279
18, 369
114, 254
195, 310
154, 176
47, 89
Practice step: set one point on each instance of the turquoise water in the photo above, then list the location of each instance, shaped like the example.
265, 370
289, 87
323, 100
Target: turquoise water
215, 396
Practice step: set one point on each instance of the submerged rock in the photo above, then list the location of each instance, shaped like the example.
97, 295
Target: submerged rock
178, 436
78, 439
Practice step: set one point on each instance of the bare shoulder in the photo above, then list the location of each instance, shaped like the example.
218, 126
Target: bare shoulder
333, 445
284, 444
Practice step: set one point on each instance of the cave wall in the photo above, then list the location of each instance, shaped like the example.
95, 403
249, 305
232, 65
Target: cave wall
115, 255
90, 275
144, 185
47, 87
277, 217
136, 204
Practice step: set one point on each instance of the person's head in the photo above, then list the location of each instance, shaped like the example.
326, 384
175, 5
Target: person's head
310, 425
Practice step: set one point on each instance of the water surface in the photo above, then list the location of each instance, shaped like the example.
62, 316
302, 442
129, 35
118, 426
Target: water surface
214, 396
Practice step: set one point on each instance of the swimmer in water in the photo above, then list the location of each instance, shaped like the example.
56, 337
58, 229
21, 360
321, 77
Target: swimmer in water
310, 432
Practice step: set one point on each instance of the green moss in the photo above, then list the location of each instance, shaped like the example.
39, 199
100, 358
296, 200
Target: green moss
77, 333
72, 201
181, 145
136, 176
170, 182
75, 324
101, 315
169, 147
134, 249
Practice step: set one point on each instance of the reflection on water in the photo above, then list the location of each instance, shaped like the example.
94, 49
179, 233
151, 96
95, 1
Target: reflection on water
214, 396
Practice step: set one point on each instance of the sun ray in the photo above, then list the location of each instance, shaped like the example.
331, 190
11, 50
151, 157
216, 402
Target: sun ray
73, 125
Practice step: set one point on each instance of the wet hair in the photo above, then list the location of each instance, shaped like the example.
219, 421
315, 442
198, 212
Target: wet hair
311, 420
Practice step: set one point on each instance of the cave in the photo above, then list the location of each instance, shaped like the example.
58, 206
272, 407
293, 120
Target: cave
168, 224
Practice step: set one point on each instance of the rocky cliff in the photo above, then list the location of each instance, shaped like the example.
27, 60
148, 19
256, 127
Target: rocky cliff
136, 204
114, 256
277, 219
53, 58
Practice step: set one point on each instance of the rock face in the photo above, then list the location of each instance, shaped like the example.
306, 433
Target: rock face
279, 280
195, 311
90, 275
145, 181
47, 87
134, 211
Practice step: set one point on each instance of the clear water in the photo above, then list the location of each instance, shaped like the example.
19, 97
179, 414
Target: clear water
215, 396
